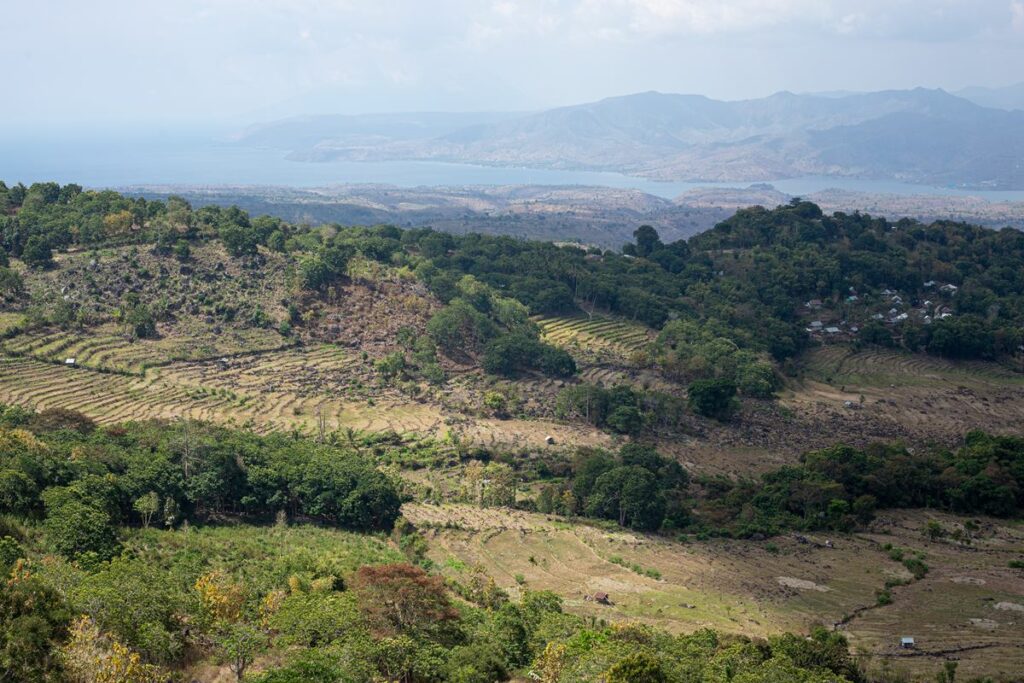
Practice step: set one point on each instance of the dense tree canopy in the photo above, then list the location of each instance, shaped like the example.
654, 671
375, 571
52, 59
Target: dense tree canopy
191, 470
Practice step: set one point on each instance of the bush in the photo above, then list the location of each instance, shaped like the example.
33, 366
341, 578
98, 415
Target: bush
626, 420
458, 328
74, 529
712, 397
37, 253
496, 402
10, 552
511, 354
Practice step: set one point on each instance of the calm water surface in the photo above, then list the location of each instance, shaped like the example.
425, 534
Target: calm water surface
104, 161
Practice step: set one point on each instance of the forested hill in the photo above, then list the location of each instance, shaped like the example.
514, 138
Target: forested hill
771, 281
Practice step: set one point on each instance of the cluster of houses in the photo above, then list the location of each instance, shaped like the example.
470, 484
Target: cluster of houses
899, 310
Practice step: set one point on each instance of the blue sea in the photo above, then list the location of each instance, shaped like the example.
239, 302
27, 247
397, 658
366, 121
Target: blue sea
200, 158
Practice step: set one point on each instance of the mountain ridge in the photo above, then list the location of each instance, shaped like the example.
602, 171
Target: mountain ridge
891, 134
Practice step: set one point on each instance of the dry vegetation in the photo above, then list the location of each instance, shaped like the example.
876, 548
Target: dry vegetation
918, 397
966, 607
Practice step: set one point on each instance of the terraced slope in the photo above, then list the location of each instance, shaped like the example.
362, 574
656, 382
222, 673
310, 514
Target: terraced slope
598, 334
105, 349
289, 389
920, 396
968, 605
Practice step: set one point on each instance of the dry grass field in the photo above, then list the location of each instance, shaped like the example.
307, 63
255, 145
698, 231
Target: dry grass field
105, 348
278, 390
968, 606
921, 397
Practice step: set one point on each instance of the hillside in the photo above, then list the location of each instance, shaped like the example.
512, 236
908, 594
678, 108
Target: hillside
890, 134
497, 340
790, 420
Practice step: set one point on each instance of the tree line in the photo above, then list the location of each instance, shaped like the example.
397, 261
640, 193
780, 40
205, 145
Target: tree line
742, 283
83, 483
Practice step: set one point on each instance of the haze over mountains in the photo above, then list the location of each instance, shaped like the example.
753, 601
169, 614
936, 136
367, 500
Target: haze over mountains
919, 136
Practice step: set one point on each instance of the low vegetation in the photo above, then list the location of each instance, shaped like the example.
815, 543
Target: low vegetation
146, 563
378, 365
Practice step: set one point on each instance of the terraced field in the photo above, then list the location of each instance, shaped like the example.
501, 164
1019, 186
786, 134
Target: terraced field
105, 349
919, 395
966, 607
290, 389
871, 367
599, 334
9, 321
182, 390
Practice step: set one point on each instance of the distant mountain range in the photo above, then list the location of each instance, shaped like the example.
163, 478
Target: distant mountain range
921, 136
1009, 97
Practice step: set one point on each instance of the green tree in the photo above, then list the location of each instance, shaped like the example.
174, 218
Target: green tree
639, 667
33, 620
19, 493
10, 552
141, 322
37, 253
391, 365
630, 495
712, 397
10, 282
239, 644
647, 240
147, 506
74, 528
625, 420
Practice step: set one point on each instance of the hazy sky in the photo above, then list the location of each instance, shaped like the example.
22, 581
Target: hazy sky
75, 61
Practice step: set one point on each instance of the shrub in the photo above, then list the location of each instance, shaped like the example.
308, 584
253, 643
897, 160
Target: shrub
74, 529
712, 397
37, 253
511, 354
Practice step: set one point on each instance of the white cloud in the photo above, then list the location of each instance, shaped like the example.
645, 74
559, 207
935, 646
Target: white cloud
898, 19
205, 57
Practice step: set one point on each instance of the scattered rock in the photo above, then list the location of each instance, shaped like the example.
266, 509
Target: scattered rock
802, 584
969, 580
1009, 606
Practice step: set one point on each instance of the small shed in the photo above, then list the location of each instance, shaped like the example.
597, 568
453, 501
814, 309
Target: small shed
907, 643
602, 598
70, 362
